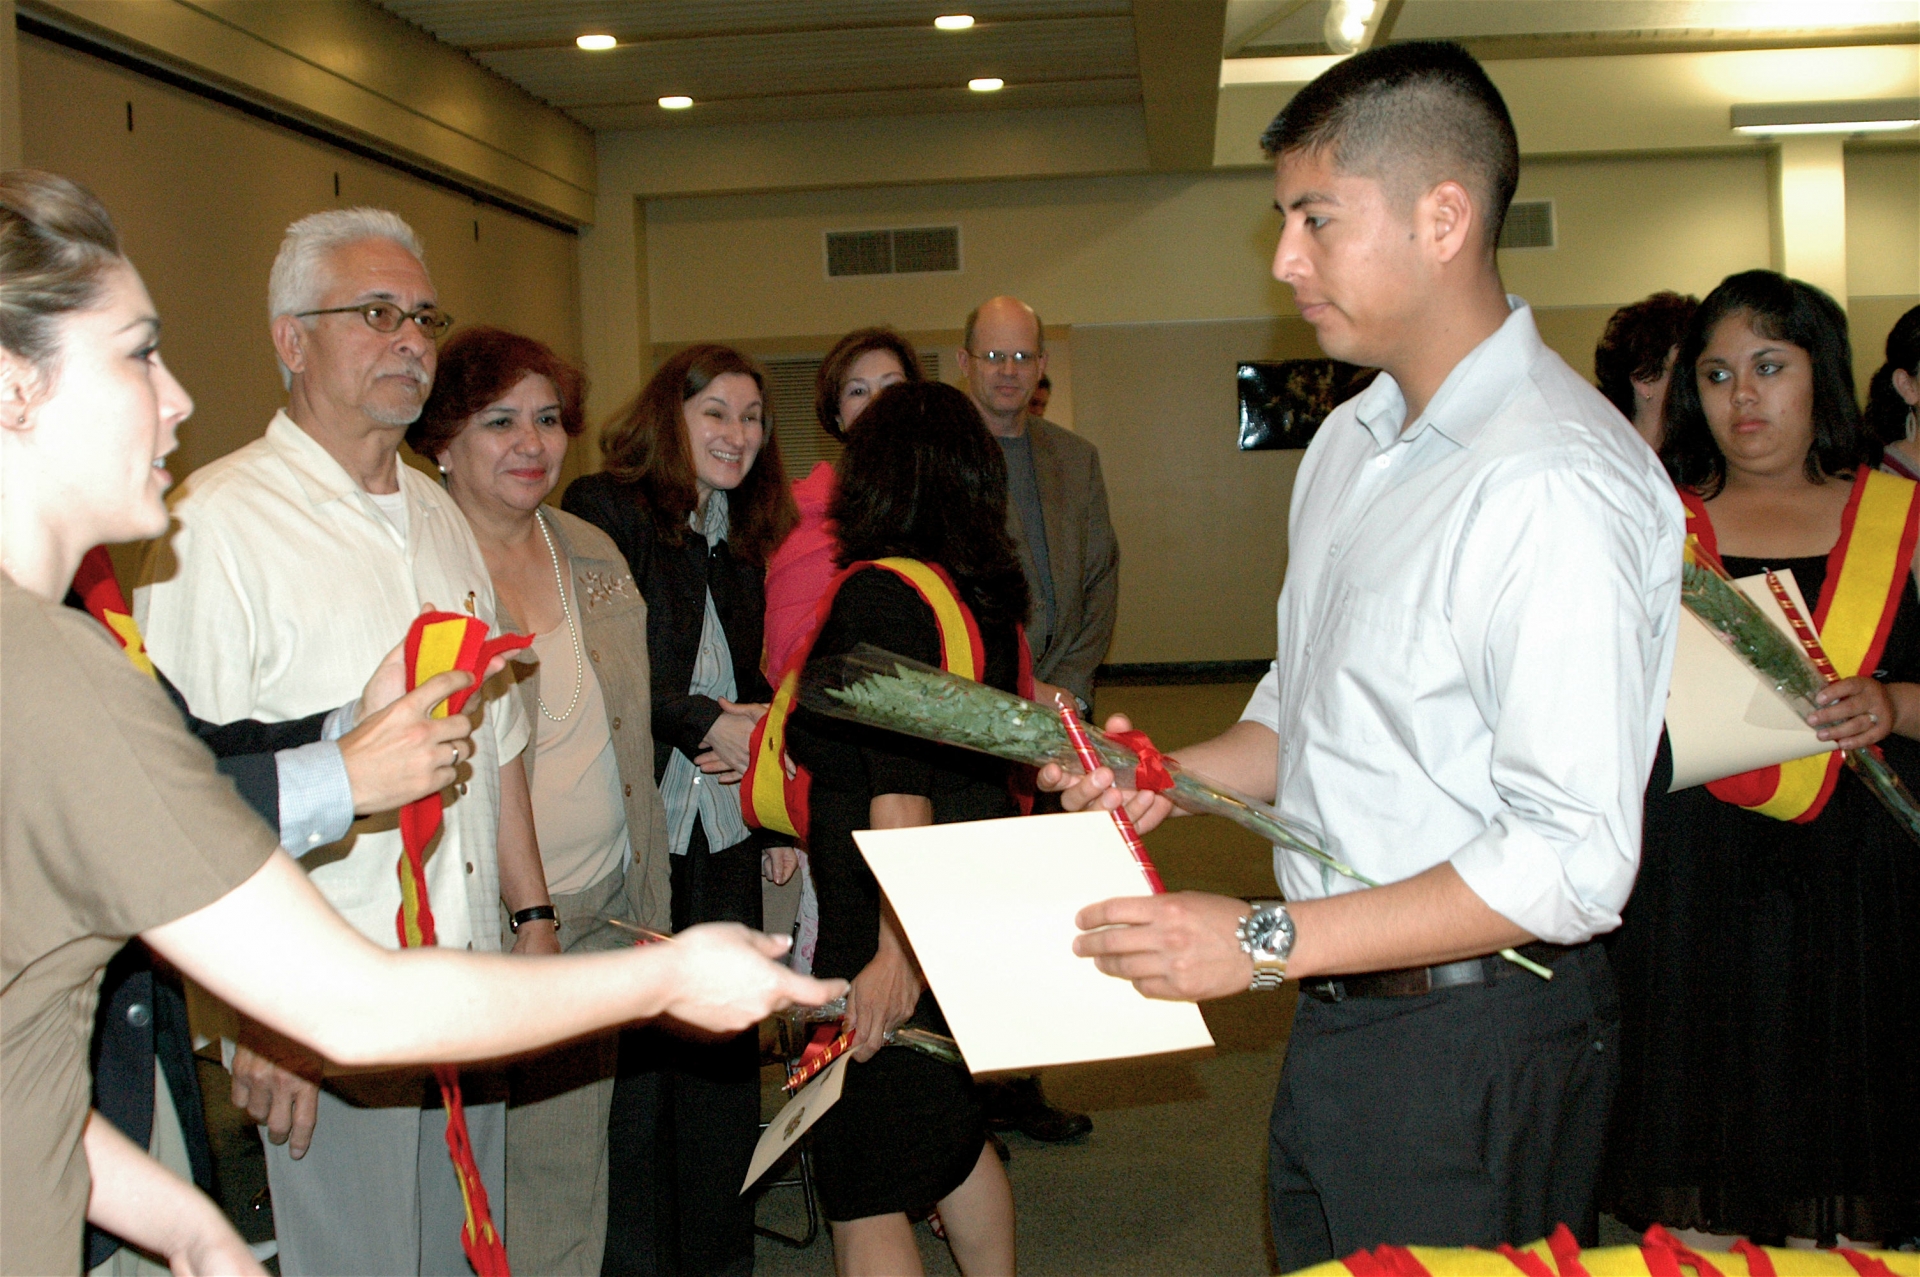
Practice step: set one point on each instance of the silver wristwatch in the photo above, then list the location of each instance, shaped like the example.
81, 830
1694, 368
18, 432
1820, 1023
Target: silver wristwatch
1266, 936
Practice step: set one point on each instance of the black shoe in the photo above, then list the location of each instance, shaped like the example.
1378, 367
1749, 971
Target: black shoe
1018, 1105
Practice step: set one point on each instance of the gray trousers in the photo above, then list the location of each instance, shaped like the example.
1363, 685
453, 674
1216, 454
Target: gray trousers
556, 1218
375, 1195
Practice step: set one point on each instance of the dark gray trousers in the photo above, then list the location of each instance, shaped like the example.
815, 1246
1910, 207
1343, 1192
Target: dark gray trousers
1467, 1117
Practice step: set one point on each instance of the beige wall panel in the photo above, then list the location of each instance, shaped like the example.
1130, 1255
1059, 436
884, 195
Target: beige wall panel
351, 67
1883, 221
1202, 525
1871, 319
202, 195
816, 154
1088, 250
1629, 227
9, 89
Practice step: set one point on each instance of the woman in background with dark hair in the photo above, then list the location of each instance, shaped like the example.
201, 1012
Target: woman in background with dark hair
694, 497
1893, 396
1768, 967
1634, 359
860, 365
921, 479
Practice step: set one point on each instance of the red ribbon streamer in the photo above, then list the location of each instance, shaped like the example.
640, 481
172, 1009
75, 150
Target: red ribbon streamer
1089, 760
419, 821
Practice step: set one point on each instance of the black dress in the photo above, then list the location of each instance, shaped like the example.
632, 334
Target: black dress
1770, 985
908, 1128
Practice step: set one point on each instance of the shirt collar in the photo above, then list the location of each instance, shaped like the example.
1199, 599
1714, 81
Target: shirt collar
1477, 386
321, 477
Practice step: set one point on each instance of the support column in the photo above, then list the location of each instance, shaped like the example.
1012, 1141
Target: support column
1810, 206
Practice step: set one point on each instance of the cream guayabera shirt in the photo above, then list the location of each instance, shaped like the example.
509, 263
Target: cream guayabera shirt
280, 589
1476, 633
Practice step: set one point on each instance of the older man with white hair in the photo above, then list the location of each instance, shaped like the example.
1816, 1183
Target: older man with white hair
298, 561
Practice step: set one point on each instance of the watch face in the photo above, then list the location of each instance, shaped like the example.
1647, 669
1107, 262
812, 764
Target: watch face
1271, 931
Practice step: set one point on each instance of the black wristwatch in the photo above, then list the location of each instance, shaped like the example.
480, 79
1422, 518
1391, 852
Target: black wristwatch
522, 917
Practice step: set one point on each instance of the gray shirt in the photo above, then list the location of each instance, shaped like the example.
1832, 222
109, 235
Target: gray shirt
1023, 494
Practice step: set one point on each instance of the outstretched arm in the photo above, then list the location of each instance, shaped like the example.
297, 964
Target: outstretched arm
276, 951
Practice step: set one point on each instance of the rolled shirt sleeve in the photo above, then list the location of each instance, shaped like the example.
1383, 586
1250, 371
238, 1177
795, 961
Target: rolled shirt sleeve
1565, 656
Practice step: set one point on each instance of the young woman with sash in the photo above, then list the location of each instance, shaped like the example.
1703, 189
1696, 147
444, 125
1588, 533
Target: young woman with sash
930, 573
1768, 965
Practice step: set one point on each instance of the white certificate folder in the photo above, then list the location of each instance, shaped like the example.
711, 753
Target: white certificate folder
989, 906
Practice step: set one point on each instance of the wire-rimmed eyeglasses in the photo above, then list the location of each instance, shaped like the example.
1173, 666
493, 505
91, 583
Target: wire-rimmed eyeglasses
385, 317
995, 358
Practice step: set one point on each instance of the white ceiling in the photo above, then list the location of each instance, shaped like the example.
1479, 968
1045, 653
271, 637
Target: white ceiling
786, 59
760, 60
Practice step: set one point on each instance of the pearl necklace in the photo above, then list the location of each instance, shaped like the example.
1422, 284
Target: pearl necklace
579, 665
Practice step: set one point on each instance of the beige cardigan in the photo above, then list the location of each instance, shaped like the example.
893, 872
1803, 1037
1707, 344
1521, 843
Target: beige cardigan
613, 629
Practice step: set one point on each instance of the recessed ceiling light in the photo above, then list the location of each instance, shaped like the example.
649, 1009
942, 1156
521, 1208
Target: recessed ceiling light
987, 84
953, 21
676, 102
1882, 115
596, 43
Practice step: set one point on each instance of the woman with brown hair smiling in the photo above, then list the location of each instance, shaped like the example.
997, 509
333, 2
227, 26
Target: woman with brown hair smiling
694, 497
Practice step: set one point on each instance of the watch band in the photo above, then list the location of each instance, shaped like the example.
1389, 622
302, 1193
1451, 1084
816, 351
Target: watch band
521, 917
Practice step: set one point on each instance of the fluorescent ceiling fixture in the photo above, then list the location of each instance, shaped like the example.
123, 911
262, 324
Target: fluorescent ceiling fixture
676, 102
1874, 115
953, 21
1277, 70
1351, 24
987, 84
596, 43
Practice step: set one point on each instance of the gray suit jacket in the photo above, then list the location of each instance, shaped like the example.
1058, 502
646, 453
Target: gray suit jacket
1082, 552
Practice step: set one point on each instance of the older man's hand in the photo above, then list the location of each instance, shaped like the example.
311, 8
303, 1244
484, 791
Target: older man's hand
1181, 947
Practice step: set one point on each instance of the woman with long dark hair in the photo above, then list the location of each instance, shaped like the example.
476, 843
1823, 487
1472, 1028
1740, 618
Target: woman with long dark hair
1769, 975
921, 480
694, 498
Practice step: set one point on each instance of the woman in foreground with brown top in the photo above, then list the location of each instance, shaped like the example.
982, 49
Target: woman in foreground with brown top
116, 823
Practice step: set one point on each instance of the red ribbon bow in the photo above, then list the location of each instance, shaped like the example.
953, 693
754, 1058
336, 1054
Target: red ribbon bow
1151, 772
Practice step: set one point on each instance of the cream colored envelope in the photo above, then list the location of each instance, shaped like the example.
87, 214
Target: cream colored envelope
988, 907
796, 1118
1721, 719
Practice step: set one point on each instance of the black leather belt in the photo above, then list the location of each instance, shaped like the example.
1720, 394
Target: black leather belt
1411, 982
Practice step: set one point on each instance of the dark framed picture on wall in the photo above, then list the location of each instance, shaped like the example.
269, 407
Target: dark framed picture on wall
1283, 401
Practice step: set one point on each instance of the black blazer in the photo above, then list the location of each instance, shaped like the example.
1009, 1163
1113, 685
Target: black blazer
674, 580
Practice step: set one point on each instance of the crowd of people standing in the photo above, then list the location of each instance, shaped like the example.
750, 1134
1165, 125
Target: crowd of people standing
1726, 1040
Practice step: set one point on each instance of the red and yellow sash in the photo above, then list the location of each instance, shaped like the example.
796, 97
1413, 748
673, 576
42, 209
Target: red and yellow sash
436, 643
769, 798
100, 591
1867, 572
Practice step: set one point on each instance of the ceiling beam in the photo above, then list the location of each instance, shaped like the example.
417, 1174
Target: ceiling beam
1178, 44
1287, 9
1600, 44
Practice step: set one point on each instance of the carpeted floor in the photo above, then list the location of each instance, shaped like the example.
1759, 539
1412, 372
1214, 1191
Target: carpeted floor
1172, 1179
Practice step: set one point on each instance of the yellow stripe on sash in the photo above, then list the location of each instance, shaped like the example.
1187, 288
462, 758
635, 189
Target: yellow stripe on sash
439, 651
1858, 602
769, 795
955, 647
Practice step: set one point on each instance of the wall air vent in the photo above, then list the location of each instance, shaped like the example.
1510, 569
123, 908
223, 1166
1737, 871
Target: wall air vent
911, 250
1529, 224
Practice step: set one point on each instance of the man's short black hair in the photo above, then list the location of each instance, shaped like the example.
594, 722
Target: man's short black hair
1410, 116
